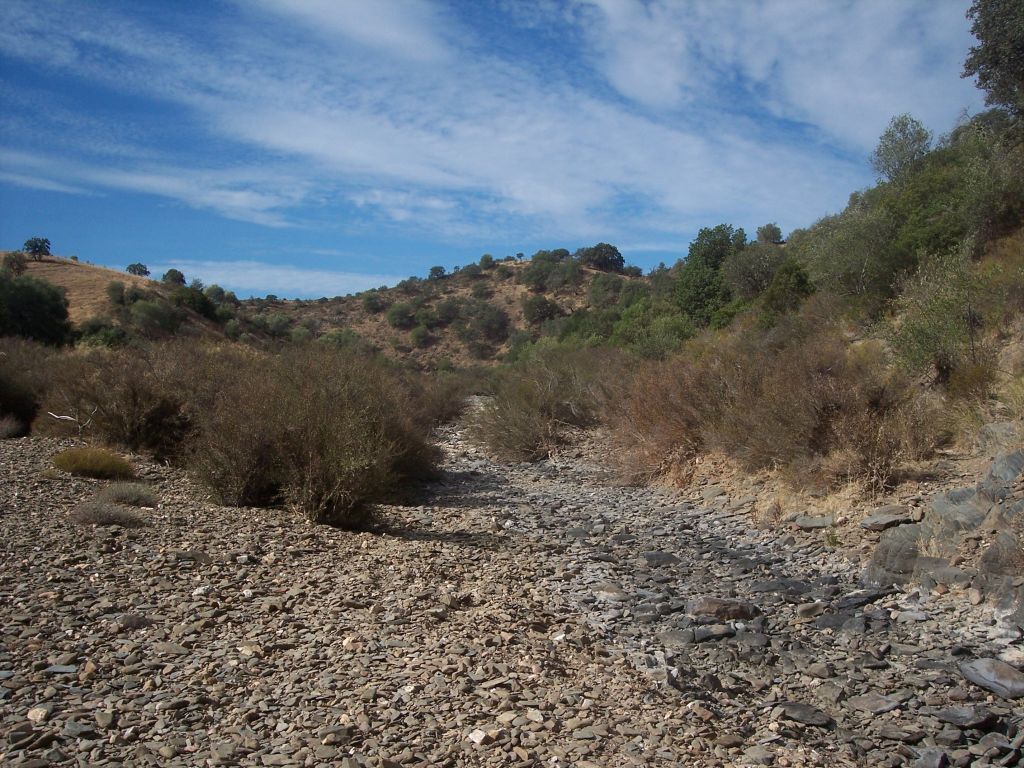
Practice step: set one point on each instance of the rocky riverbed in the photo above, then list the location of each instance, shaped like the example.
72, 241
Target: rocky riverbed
519, 615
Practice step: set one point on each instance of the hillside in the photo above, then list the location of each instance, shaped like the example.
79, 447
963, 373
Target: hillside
85, 285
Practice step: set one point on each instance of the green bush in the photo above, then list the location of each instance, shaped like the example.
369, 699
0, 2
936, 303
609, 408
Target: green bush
374, 303
401, 316
33, 309
98, 463
129, 494
154, 318
539, 309
421, 337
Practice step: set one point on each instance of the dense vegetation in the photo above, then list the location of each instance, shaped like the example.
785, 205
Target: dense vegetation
839, 353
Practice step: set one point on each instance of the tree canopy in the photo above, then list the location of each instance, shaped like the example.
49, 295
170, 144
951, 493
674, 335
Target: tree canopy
900, 146
997, 62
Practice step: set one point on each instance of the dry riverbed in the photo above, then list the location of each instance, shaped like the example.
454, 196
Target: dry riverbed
520, 616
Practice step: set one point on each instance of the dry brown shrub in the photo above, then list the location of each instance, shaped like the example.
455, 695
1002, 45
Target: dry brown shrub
799, 398
535, 404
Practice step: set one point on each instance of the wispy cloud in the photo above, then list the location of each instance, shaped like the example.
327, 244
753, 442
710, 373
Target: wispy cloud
398, 114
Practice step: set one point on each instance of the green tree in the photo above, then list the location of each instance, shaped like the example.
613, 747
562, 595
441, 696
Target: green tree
137, 269
401, 316
538, 309
173, 277
37, 247
436, 273
33, 308
903, 143
700, 288
601, 256
770, 234
998, 60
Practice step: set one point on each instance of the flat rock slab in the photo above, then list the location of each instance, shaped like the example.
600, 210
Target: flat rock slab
805, 713
723, 610
980, 718
875, 703
657, 559
810, 523
880, 521
996, 676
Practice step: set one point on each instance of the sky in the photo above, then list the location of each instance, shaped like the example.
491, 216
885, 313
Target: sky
313, 148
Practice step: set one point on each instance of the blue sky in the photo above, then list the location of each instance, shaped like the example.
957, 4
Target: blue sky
319, 147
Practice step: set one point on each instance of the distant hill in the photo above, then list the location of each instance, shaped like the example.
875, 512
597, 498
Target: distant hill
476, 314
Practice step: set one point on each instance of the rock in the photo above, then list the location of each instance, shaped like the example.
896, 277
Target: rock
1006, 468
805, 713
809, 523
657, 559
895, 557
76, 730
886, 517
723, 610
810, 610
860, 598
758, 755
996, 676
611, 592
170, 649
193, 556
930, 758
480, 737
1004, 557
875, 703
61, 669
712, 632
40, 714
979, 718
963, 509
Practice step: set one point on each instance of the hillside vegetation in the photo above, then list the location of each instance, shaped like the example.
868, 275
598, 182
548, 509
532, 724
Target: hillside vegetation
845, 352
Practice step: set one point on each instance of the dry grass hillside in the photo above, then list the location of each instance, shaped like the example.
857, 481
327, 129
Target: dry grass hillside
85, 285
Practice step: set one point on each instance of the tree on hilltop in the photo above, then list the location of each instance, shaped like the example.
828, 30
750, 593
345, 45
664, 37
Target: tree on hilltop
137, 269
37, 247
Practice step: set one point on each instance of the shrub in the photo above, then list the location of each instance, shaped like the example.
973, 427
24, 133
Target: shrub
98, 463
421, 337
539, 309
11, 426
486, 261
192, 297
115, 293
131, 399
601, 256
100, 512
938, 320
472, 271
322, 431
490, 322
401, 316
33, 309
129, 494
551, 390
15, 263
374, 303
101, 332
154, 318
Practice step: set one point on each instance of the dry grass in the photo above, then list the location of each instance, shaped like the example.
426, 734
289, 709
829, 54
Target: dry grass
11, 426
100, 512
85, 284
129, 494
97, 463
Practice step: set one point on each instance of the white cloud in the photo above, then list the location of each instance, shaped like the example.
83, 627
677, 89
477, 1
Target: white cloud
388, 113
254, 278
406, 29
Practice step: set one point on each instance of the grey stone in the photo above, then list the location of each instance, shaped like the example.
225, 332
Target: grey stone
657, 559
811, 523
875, 703
980, 718
881, 521
805, 713
996, 676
